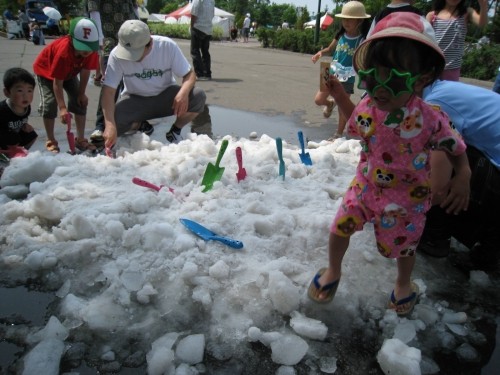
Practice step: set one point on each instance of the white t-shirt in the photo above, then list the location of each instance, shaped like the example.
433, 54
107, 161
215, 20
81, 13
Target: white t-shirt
246, 23
204, 11
153, 74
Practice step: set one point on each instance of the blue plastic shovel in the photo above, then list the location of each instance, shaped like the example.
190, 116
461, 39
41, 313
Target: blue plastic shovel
279, 147
304, 156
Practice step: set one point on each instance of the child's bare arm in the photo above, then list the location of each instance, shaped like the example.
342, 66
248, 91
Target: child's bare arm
457, 199
328, 50
344, 102
479, 19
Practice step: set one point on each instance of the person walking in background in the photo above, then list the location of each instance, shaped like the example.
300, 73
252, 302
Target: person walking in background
57, 68
108, 16
202, 14
397, 131
25, 23
53, 27
148, 66
352, 32
474, 113
18, 87
8, 15
246, 28
394, 6
37, 35
450, 19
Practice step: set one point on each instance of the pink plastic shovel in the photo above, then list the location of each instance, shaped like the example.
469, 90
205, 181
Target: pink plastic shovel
149, 185
70, 135
242, 173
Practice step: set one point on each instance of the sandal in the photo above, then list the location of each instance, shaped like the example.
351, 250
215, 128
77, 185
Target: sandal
410, 301
52, 146
315, 288
84, 145
97, 80
327, 111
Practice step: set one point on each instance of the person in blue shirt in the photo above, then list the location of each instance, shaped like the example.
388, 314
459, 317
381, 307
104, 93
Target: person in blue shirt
8, 15
474, 112
496, 85
52, 27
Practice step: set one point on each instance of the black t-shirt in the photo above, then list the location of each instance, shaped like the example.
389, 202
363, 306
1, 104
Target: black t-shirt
11, 124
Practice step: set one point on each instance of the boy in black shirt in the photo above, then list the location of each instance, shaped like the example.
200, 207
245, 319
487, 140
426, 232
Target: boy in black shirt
16, 134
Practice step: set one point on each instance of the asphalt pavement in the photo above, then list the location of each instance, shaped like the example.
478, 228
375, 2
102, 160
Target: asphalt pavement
246, 77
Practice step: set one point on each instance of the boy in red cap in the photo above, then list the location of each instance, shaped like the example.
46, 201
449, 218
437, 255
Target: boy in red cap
57, 68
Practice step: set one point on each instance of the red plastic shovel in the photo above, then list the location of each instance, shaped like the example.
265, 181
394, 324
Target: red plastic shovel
149, 185
70, 135
242, 172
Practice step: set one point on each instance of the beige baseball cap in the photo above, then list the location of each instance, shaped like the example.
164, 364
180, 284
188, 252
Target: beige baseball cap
132, 39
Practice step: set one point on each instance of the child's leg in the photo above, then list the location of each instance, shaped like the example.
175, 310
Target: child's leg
48, 123
80, 126
337, 247
342, 123
402, 289
321, 98
82, 142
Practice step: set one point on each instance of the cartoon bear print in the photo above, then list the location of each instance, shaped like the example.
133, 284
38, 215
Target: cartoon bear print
419, 193
411, 125
365, 125
347, 225
382, 178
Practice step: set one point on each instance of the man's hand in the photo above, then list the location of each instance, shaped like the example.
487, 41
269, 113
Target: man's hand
180, 105
109, 135
457, 199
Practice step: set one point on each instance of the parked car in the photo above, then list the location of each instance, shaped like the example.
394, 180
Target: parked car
34, 10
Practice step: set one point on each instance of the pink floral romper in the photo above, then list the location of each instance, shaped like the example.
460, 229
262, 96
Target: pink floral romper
392, 184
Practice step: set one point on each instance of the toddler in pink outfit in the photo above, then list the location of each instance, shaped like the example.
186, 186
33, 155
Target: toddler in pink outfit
398, 130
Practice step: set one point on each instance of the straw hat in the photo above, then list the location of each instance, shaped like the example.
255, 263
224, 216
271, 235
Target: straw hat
402, 25
353, 9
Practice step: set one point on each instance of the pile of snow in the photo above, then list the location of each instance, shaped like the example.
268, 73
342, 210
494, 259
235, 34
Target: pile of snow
125, 269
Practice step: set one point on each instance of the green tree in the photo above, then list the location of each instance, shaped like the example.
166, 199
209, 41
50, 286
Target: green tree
155, 6
290, 15
303, 17
170, 7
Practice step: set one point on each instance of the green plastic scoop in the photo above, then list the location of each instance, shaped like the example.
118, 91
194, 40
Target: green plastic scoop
214, 172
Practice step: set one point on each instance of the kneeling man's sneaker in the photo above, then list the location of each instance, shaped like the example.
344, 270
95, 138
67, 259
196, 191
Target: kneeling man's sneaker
146, 128
173, 137
96, 136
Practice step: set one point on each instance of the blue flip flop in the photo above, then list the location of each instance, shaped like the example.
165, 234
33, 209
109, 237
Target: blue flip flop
411, 300
315, 288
